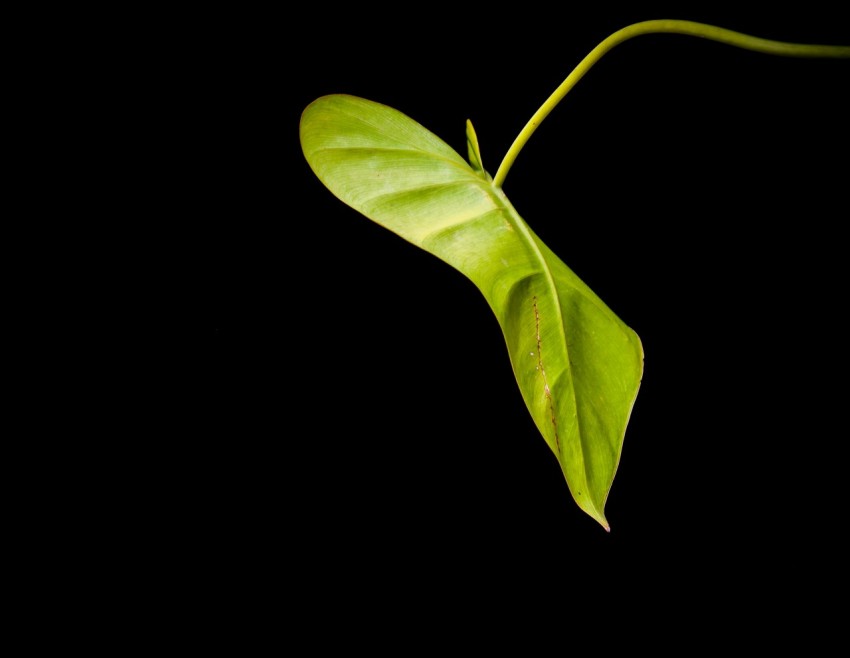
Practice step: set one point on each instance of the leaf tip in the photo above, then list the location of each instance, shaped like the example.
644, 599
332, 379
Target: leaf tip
601, 520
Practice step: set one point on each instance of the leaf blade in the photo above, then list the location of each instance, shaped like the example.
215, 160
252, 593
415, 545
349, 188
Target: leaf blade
578, 366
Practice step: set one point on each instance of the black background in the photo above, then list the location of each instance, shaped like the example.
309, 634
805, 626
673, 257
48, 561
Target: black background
349, 423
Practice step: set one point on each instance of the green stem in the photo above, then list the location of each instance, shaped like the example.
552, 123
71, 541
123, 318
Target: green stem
691, 28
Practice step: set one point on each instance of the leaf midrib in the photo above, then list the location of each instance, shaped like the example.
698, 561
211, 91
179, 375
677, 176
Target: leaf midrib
525, 231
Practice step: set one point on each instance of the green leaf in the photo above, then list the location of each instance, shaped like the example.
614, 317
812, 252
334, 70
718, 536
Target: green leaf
577, 364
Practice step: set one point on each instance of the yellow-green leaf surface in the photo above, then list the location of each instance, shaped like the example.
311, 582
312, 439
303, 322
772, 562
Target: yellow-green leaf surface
577, 364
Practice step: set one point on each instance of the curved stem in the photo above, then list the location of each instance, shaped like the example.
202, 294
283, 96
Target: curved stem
691, 28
